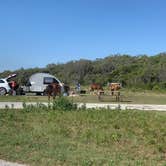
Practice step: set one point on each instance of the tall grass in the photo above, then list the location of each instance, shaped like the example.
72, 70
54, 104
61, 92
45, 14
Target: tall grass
84, 137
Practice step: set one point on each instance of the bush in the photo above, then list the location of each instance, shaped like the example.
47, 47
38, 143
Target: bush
63, 103
156, 87
60, 103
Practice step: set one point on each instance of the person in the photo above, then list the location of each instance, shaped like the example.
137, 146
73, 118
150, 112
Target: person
78, 87
13, 87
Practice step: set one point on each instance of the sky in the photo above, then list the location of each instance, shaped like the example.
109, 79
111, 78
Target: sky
34, 33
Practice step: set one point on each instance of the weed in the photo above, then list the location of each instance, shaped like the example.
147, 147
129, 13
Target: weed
34, 107
87, 162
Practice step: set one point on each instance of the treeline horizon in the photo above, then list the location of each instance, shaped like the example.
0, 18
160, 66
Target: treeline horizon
145, 72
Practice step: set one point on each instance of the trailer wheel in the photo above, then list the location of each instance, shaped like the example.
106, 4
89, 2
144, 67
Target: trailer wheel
38, 93
3, 91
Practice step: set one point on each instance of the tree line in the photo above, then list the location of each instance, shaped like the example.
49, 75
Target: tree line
145, 72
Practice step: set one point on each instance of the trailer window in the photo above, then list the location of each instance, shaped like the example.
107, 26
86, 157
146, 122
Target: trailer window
1, 81
49, 80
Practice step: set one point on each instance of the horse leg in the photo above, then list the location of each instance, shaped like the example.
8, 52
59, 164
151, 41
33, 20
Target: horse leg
54, 95
99, 97
49, 97
118, 96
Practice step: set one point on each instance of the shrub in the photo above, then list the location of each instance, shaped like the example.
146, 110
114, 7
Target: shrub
156, 87
63, 103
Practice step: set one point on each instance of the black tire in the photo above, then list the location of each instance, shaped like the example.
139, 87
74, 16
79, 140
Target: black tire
3, 91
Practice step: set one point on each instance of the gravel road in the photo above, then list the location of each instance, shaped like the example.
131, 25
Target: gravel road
146, 107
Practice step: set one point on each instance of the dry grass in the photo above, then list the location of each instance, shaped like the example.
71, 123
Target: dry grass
144, 97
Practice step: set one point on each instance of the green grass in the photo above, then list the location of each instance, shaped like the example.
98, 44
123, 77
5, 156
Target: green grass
89, 137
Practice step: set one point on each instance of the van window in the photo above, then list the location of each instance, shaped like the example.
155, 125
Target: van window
49, 80
28, 83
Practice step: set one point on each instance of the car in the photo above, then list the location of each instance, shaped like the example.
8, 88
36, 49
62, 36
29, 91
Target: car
4, 87
5, 84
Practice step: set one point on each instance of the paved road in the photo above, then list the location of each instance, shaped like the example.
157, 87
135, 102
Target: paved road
147, 107
6, 163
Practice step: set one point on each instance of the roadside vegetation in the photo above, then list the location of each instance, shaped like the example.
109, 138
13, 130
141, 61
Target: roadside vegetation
134, 72
40, 135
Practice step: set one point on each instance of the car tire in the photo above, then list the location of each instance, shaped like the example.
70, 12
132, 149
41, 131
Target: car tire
3, 91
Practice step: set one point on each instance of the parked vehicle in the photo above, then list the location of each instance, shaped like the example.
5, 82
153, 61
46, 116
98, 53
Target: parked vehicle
38, 82
6, 86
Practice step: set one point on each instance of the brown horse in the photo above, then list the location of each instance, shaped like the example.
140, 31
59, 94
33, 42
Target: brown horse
96, 86
53, 89
114, 87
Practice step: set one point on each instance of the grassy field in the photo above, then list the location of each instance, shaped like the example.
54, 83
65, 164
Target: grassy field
86, 137
146, 97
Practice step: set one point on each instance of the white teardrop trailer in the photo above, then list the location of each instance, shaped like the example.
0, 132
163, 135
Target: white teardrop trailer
39, 81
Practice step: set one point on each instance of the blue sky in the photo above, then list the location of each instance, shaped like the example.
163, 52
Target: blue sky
34, 33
